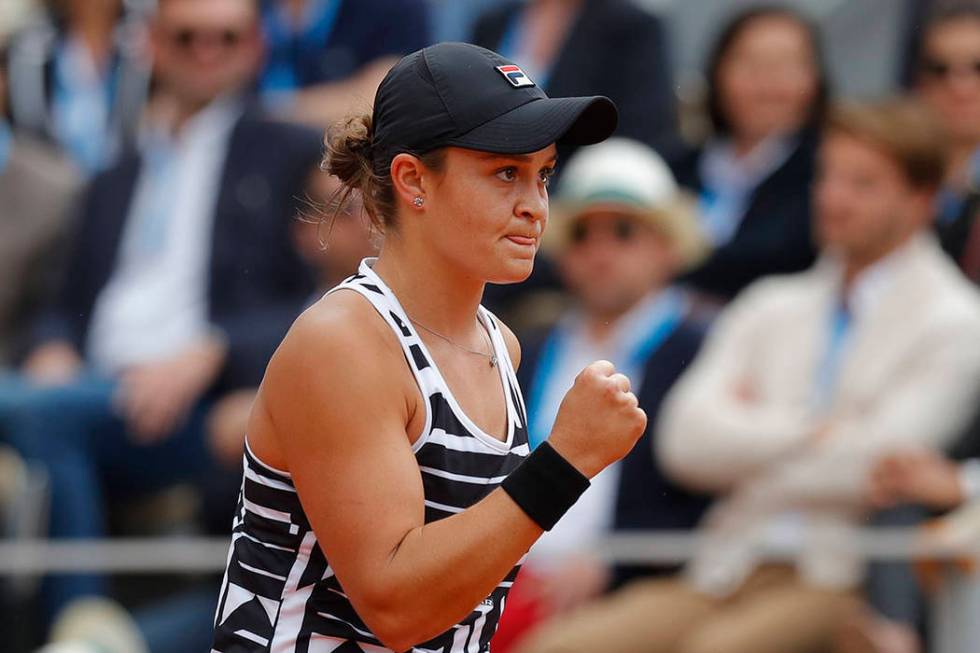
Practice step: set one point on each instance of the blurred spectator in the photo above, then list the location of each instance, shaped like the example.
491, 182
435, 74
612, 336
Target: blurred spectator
182, 281
326, 56
944, 74
623, 231
939, 482
453, 20
37, 189
803, 383
334, 238
948, 79
767, 93
592, 47
79, 78
333, 241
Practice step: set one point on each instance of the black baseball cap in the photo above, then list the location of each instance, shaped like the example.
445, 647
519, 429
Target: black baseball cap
467, 96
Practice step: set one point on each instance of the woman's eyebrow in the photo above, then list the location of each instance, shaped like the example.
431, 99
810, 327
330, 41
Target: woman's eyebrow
524, 158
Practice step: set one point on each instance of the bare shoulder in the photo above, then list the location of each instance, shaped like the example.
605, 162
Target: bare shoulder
337, 352
513, 344
340, 328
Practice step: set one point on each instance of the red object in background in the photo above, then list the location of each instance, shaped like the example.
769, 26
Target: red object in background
523, 611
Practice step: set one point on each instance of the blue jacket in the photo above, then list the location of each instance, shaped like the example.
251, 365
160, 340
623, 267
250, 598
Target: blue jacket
257, 283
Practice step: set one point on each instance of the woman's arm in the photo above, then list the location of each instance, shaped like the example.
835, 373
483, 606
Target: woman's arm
339, 396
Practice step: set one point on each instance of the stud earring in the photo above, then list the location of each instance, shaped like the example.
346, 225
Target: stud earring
418, 201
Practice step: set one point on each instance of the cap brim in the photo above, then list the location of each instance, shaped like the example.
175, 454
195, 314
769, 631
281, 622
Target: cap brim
539, 123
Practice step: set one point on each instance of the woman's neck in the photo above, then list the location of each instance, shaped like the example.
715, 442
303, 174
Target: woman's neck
432, 294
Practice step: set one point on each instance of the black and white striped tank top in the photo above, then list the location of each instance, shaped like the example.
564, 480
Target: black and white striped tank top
279, 594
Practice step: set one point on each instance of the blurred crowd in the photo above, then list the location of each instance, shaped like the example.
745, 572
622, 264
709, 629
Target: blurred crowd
788, 276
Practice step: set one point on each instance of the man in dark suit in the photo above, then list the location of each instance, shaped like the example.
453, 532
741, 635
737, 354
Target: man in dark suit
181, 282
622, 233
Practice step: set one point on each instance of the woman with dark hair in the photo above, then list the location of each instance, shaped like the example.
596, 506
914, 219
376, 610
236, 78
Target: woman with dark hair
767, 91
79, 78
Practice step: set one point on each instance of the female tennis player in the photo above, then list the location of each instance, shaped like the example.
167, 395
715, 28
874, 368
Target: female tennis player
388, 495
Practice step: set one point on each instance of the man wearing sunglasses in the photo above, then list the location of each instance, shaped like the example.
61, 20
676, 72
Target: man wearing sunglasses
621, 231
804, 381
181, 281
948, 80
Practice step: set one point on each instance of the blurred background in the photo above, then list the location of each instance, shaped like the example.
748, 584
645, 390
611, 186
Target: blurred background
780, 246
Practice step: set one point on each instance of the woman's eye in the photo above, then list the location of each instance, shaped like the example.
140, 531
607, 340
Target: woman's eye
507, 174
546, 176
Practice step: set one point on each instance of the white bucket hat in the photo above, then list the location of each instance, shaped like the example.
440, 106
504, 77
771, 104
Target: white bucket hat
626, 176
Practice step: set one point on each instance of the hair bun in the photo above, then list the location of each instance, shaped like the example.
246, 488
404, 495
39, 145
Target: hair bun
349, 155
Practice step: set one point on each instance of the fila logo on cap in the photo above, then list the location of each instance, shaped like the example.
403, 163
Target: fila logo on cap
515, 76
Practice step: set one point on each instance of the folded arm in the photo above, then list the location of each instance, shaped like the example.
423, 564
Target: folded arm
712, 432
926, 406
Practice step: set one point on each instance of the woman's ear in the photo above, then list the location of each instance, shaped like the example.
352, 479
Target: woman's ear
406, 177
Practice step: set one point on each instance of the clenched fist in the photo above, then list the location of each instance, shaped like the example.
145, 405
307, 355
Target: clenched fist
599, 419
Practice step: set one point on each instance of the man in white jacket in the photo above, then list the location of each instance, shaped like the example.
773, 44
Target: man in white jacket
803, 383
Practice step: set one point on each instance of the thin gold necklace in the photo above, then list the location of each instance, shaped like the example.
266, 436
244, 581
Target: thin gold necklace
492, 355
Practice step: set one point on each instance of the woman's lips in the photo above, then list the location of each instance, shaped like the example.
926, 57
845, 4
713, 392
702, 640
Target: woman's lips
527, 241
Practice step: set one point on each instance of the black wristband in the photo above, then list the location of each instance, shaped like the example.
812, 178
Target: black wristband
545, 486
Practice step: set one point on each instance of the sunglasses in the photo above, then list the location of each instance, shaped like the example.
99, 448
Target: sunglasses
943, 70
187, 38
623, 230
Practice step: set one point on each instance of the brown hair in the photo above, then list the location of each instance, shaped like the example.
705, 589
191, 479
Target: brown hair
943, 11
350, 157
726, 39
901, 128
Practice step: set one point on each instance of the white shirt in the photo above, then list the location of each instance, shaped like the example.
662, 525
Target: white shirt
155, 303
729, 181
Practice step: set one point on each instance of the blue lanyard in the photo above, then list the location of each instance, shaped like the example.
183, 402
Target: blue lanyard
287, 48
88, 146
6, 143
551, 353
829, 369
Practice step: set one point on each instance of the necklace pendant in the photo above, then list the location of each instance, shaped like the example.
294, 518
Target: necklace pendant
493, 360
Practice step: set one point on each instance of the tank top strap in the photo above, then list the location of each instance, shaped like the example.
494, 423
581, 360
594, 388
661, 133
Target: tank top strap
370, 286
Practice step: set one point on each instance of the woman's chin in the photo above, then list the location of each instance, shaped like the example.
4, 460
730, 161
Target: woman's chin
514, 270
